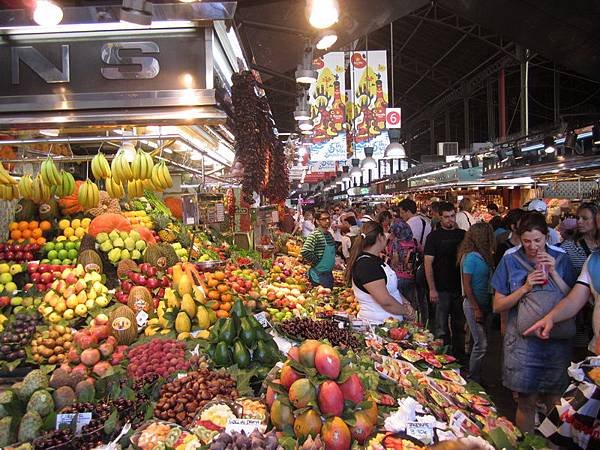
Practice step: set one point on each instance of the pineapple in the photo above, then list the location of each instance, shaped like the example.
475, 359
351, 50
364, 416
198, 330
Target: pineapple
184, 238
163, 224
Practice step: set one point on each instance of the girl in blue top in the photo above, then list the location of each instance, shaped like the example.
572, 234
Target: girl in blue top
533, 368
476, 260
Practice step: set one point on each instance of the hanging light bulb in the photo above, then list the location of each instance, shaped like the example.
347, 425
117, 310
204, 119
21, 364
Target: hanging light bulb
356, 170
322, 13
47, 13
346, 174
395, 150
128, 150
305, 74
326, 39
368, 163
306, 125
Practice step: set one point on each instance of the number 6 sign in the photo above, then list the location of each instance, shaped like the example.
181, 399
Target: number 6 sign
393, 117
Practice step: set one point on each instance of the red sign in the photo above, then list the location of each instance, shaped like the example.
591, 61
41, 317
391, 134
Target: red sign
393, 117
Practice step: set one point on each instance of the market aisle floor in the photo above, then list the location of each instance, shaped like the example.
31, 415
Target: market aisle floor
492, 377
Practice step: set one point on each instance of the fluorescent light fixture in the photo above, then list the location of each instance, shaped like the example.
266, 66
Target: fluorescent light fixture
322, 13
50, 133
128, 150
549, 149
306, 76
306, 125
326, 39
222, 63
47, 13
395, 150
167, 150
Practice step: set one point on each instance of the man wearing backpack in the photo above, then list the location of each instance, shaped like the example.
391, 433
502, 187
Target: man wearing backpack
420, 226
403, 255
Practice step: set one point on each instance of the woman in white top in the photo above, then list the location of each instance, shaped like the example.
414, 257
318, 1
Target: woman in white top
308, 225
374, 283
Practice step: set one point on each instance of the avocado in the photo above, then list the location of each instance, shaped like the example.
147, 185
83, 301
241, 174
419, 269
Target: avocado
238, 309
247, 333
215, 331
228, 332
262, 353
223, 356
241, 355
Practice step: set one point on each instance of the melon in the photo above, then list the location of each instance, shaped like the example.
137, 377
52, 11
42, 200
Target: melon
26, 211
123, 325
90, 260
49, 210
140, 299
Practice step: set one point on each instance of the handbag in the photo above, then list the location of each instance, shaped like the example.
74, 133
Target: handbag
537, 303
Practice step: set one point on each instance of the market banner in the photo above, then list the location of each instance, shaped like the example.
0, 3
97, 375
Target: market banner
328, 109
366, 109
322, 166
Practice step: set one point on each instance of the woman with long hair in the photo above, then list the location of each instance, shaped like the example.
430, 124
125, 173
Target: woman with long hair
475, 258
374, 283
585, 240
530, 277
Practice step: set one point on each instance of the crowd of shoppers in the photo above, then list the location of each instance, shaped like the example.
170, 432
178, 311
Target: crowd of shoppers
453, 273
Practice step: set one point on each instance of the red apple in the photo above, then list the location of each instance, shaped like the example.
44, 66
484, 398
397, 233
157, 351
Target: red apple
47, 277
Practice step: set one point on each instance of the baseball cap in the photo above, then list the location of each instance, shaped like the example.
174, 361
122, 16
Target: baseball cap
537, 205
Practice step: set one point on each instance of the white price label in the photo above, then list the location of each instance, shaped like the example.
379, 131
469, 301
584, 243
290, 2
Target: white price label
80, 420
190, 221
142, 319
64, 420
456, 421
261, 317
421, 431
239, 425
445, 435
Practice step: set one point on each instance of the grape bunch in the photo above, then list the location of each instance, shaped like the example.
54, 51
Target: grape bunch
239, 441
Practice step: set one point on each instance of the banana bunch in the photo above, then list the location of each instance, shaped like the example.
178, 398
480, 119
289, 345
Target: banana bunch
9, 192
142, 165
26, 186
114, 189
161, 178
67, 185
135, 188
5, 177
50, 173
40, 191
88, 195
100, 167
120, 168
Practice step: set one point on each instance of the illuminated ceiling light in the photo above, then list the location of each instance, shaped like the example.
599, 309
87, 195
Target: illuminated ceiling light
128, 150
549, 145
395, 150
306, 76
368, 163
305, 125
50, 133
326, 39
167, 150
306, 132
356, 171
47, 13
187, 80
302, 111
322, 13
138, 12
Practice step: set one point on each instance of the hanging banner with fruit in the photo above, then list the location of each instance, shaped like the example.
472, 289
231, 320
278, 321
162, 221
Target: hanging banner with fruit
366, 107
328, 110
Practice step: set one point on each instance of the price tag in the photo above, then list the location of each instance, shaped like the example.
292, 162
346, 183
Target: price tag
445, 435
262, 319
421, 431
82, 420
141, 319
190, 221
65, 420
456, 421
239, 425
181, 375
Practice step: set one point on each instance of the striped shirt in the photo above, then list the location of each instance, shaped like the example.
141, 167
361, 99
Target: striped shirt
576, 253
314, 246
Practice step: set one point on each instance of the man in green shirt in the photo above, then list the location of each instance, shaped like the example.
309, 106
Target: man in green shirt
319, 252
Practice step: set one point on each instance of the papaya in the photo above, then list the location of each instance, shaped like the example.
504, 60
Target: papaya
241, 355
223, 356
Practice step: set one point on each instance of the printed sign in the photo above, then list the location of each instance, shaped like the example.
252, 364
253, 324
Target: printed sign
393, 118
77, 420
322, 166
239, 425
261, 317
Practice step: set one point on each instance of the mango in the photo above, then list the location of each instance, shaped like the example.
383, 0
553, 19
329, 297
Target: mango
331, 399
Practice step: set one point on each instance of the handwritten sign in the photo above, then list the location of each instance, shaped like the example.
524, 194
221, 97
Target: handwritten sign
239, 425
421, 431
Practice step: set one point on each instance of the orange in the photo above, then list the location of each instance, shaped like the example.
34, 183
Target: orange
220, 275
222, 314
40, 241
213, 304
225, 306
226, 298
26, 234
222, 288
36, 233
23, 225
212, 283
214, 295
33, 224
20, 241
13, 226
15, 235
45, 225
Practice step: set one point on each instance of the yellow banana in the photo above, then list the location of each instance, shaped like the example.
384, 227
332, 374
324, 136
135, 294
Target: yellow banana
136, 165
5, 177
125, 168
100, 167
167, 175
114, 169
67, 185
25, 186
50, 174
88, 195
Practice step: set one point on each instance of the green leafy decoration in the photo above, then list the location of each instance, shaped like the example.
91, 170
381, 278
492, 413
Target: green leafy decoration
111, 423
500, 440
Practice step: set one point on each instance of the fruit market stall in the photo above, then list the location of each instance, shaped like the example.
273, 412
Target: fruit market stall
119, 323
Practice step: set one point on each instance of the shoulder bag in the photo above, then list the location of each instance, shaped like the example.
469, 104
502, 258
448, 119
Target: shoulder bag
539, 302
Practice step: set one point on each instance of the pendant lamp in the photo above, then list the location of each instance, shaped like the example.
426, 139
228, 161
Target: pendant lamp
368, 163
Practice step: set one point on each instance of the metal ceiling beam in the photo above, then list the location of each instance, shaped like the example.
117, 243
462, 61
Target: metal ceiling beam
273, 73
457, 23
274, 27
440, 59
